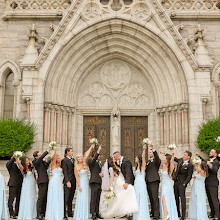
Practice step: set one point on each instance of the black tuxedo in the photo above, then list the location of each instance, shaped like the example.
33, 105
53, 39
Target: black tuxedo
211, 185
182, 177
127, 171
42, 181
15, 184
152, 180
67, 165
95, 183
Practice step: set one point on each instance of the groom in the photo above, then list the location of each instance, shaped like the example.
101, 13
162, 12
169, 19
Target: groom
126, 169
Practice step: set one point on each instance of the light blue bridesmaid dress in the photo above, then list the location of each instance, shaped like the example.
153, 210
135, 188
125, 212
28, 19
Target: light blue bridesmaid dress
82, 208
3, 207
27, 208
168, 193
141, 195
55, 197
197, 202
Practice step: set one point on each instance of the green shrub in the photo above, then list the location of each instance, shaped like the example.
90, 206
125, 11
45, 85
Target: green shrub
15, 135
207, 135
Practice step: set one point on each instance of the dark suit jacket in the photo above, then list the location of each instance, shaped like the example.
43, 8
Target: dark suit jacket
152, 169
16, 178
41, 166
127, 171
68, 170
212, 179
183, 173
95, 169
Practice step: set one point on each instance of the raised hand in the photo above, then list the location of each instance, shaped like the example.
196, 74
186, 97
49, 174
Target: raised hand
99, 149
162, 152
145, 147
152, 146
197, 154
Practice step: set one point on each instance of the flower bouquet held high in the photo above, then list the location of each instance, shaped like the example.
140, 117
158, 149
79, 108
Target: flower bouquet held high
218, 139
94, 141
172, 146
197, 161
18, 154
52, 144
147, 141
109, 195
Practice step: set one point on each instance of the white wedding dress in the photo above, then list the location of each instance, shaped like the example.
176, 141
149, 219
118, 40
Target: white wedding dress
124, 204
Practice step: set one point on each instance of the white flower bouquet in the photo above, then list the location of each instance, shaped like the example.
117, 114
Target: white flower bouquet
172, 146
52, 144
94, 141
18, 154
109, 195
147, 141
218, 139
197, 161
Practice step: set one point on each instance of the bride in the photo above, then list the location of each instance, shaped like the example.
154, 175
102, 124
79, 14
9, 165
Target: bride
124, 203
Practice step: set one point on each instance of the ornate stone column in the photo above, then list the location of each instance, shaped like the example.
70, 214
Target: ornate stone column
161, 128
186, 123
115, 130
69, 125
173, 125
28, 106
46, 123
16, 84
179, 115
167, 117
64, 126
52, 114
58, 124
204, 104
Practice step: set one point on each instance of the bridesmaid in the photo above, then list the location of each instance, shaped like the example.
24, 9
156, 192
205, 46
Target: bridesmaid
55, 196
168, 209
141, 188
3, 207
82, 208
197, 202
27, 208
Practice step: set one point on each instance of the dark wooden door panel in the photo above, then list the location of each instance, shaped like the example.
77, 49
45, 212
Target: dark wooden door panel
99, 127
133, 131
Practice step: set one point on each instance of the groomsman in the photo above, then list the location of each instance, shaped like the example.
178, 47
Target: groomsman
69, 181
153, 180
15, 184
182, 177
42, 181
212, 182
95, 183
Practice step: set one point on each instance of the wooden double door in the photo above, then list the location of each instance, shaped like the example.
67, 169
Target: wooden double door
133, 131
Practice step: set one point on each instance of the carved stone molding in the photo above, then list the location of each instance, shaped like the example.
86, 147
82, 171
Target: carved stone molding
175, 107
48, 106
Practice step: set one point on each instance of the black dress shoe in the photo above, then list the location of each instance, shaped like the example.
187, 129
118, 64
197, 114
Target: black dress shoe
156, 218
130, 217
65, 218
99, 216
151, 215
13, 217
70, 215
94, 217
211, 216
182, 218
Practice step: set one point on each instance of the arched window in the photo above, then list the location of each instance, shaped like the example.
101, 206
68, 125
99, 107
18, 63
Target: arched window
9, 96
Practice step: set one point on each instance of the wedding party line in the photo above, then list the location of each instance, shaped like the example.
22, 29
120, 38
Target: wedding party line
113, 190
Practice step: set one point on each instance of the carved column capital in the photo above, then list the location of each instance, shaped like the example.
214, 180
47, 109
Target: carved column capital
27, 98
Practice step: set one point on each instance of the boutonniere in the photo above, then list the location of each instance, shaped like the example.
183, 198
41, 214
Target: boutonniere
186, 164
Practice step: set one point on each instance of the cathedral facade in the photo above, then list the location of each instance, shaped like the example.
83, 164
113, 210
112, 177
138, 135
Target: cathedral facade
118, 70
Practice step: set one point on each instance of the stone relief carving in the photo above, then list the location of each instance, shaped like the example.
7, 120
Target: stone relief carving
137, 9
115, 83
115, 74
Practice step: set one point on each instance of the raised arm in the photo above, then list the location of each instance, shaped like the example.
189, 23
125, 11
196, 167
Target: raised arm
111, 177
88, 152
37, 161
156, 156
77, 178
20, 166
172, 165
91, 162
53, 162
10, 163
144, 158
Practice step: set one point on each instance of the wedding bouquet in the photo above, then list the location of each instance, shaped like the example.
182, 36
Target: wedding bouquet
108, 196
172, 146
94, 141
197, 161
147, 141
17, 154
218, 139
52, 144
